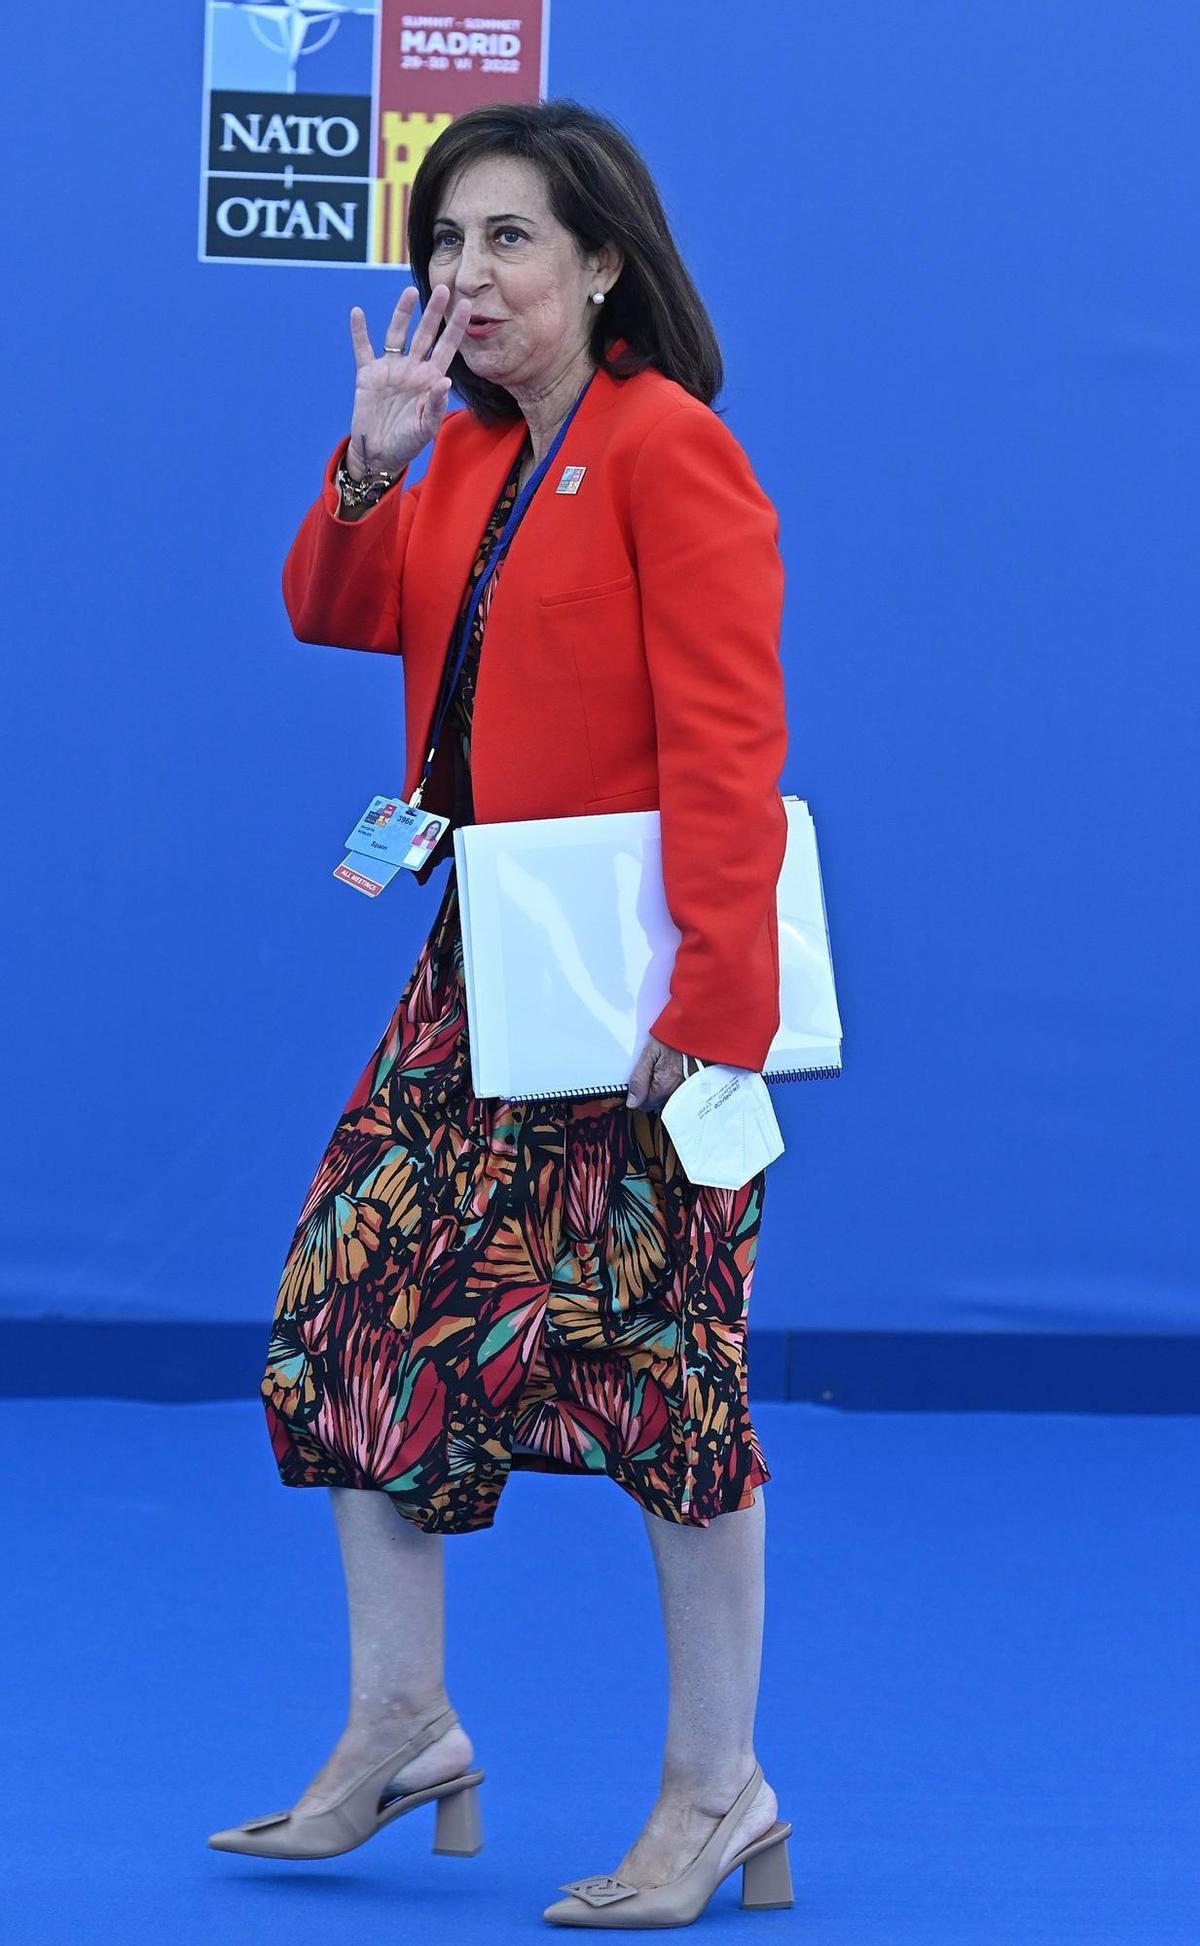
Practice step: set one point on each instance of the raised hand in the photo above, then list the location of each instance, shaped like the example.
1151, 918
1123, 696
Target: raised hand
400, 397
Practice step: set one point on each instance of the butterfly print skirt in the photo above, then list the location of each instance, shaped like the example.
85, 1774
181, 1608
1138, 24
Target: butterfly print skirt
475, 1286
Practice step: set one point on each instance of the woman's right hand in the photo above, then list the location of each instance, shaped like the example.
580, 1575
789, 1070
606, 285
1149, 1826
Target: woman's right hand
400, 397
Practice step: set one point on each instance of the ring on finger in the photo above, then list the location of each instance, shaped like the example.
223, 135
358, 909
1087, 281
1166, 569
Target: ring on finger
393, 347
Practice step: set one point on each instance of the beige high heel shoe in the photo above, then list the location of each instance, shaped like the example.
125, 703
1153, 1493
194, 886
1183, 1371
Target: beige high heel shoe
613, 1902
364, 1806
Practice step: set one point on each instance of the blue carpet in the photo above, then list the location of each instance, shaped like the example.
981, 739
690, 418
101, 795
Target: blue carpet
979, 1703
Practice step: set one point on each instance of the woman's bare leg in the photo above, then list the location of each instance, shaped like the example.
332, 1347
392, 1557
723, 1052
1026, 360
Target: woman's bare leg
395, 1597
711, 1589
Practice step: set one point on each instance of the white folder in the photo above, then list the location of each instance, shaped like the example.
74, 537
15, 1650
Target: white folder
568, 948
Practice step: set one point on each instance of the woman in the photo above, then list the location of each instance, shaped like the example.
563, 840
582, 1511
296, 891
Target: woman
476, 1286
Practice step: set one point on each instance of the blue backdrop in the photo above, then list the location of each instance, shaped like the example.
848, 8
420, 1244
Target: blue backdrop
952, 256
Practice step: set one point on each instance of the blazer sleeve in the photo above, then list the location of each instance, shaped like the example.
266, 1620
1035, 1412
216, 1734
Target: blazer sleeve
711, 580
341, 578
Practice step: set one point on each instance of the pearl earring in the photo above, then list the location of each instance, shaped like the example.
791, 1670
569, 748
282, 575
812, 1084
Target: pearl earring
597, 297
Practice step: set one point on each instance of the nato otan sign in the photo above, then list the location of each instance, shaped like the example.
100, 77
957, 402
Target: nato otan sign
317, 114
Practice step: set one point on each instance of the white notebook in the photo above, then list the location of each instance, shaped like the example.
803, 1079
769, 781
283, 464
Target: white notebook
568, 948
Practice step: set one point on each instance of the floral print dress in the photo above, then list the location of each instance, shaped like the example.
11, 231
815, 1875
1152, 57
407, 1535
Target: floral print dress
475, 1287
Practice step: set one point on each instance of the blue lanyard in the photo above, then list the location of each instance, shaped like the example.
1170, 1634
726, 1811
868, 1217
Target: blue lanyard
500, 547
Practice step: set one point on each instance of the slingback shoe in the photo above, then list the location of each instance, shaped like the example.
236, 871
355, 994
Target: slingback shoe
613, 1902
364, 1806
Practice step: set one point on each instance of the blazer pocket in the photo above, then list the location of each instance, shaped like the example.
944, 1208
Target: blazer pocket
596, 633
615, 587
631, 800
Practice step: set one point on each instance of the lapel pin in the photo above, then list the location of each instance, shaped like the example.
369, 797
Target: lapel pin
572, 479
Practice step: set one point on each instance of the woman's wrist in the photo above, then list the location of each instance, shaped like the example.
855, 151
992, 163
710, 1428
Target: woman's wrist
360, 488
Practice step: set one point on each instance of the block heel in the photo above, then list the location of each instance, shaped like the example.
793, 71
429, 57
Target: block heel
458, 1827
767, 1874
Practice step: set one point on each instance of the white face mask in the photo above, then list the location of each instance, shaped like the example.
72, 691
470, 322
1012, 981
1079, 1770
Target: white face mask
722, 1124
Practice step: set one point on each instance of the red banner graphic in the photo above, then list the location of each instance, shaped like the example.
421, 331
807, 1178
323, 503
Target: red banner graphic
431, 68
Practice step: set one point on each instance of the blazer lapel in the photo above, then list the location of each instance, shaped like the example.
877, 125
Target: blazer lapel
465, 495
577, 449
447, 544
464, 491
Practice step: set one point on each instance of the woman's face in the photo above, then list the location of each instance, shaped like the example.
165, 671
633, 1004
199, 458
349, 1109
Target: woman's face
496, 242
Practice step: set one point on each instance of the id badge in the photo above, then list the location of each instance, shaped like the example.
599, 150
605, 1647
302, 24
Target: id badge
390, 836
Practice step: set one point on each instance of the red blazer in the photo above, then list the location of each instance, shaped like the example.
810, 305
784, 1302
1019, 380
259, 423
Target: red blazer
631, 661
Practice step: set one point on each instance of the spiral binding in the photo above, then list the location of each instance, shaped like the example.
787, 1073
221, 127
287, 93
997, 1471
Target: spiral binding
783, 1074
569, 1094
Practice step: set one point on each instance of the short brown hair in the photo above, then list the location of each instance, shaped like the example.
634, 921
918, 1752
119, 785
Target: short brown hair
600, 189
